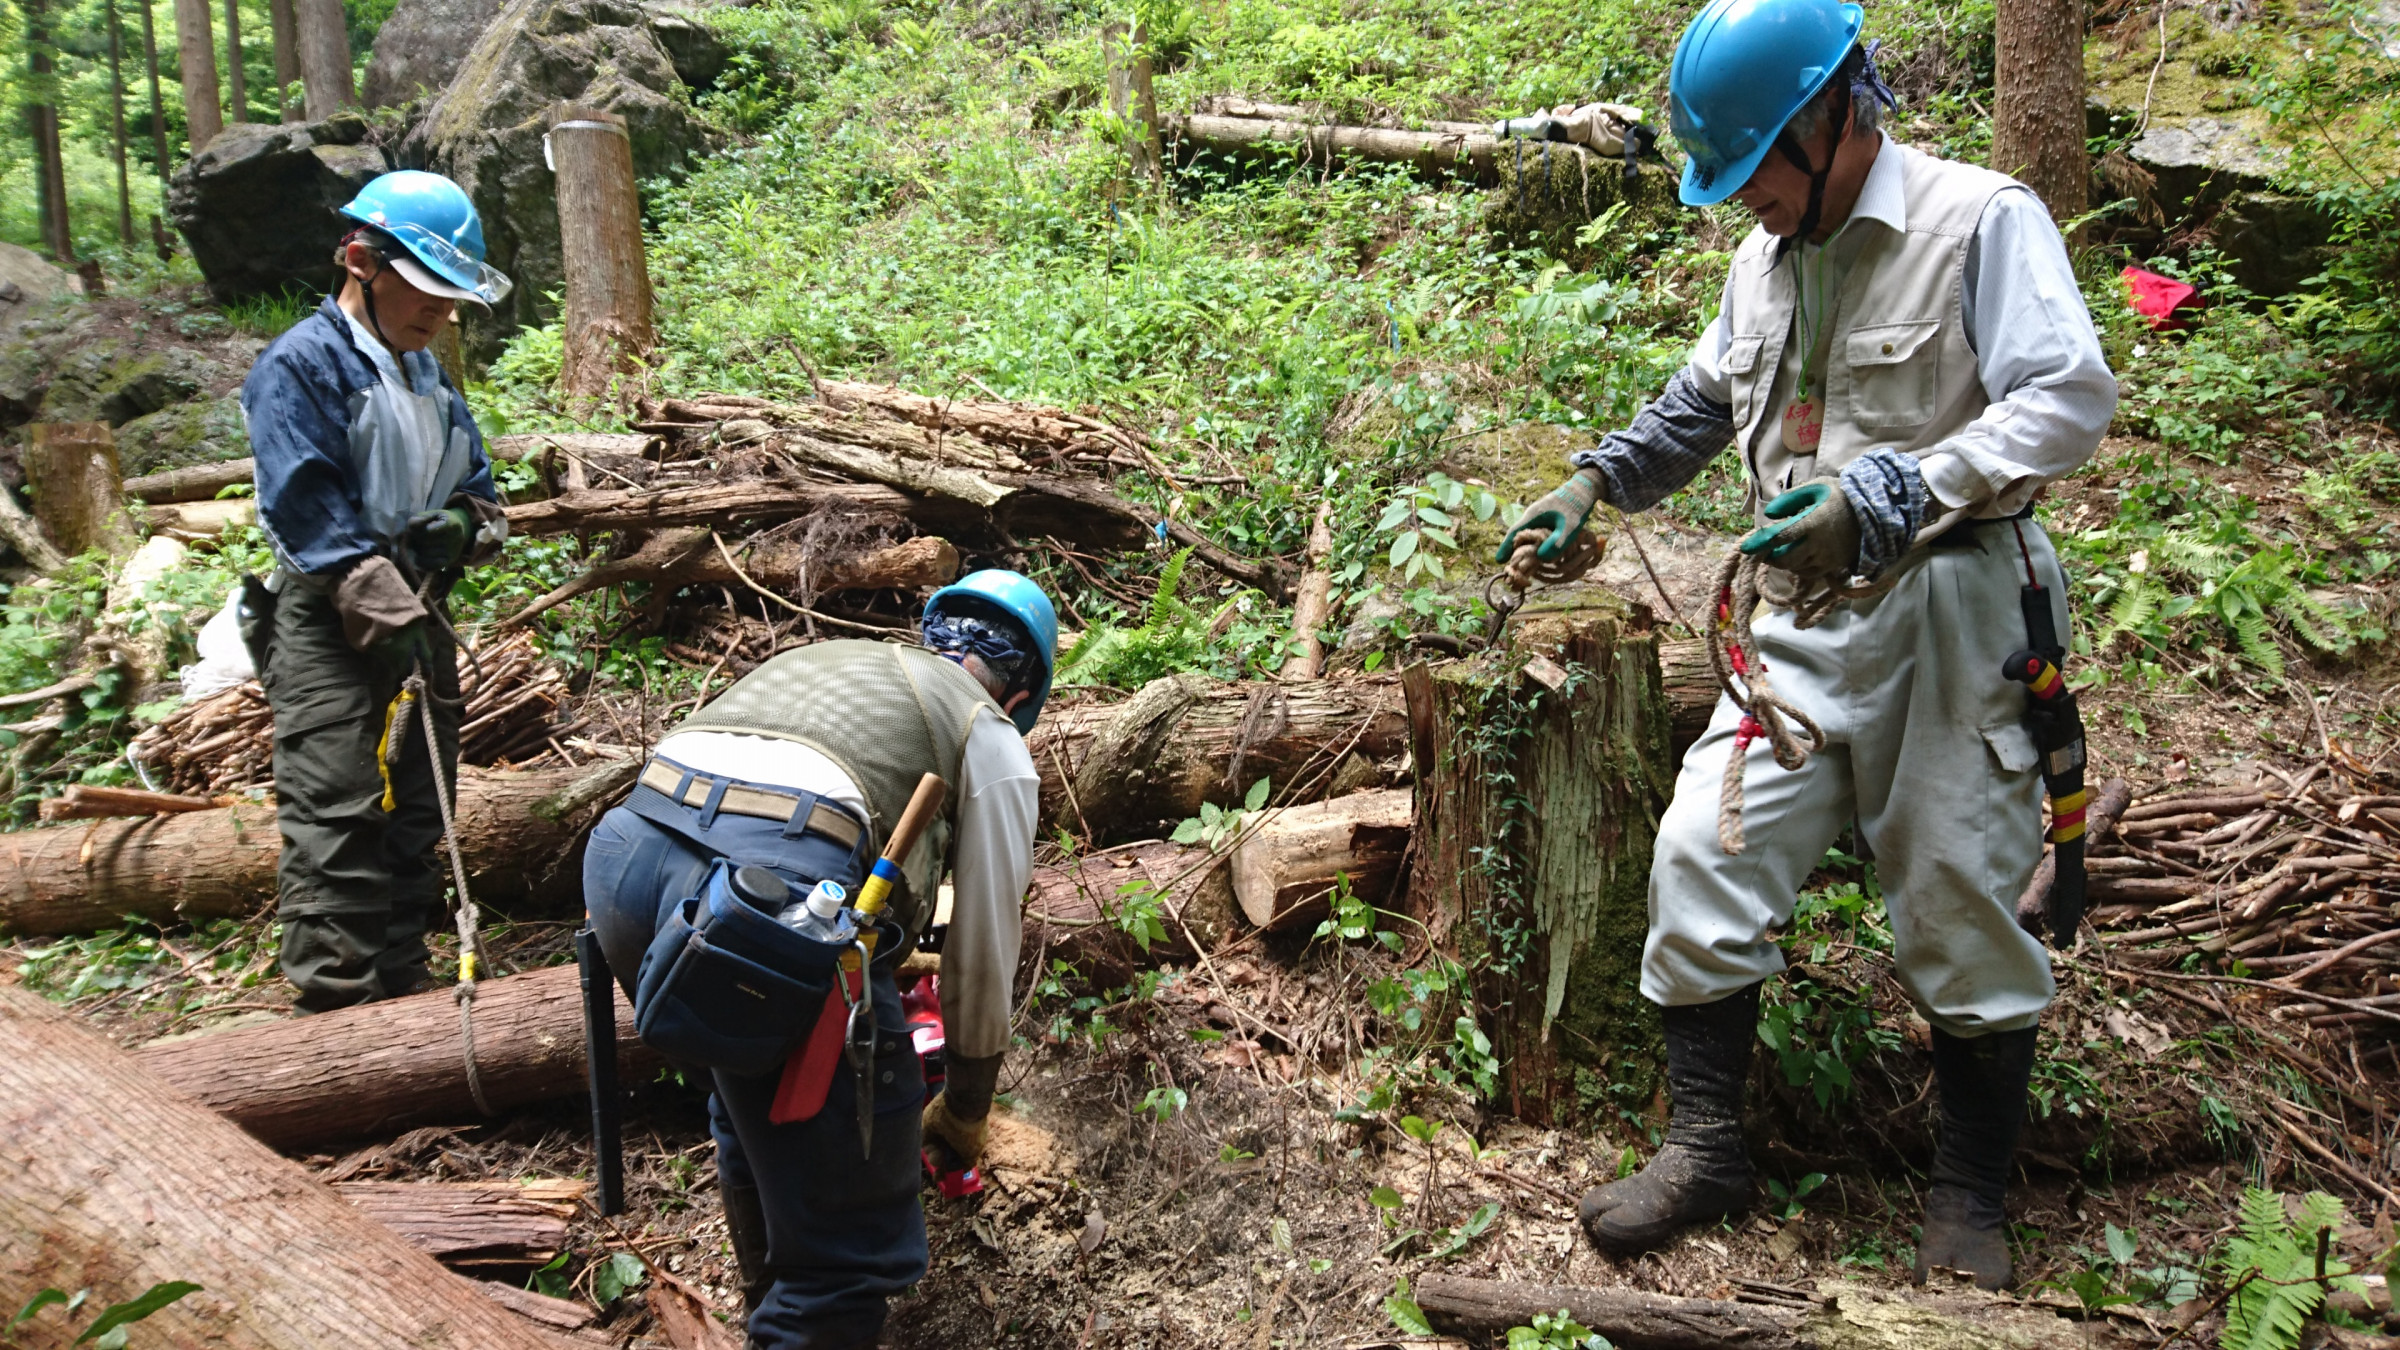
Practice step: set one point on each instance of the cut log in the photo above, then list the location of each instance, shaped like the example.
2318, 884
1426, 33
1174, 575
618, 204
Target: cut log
193, 521
607, 327
1285, 869
689, 558
472, 1223
82, 801
1471, 156
1841, 1317
1313, 602
220, 863
1536, 810
1120, 771
196, 483
564, 1314
112, 1181
78, 491
1691, 689
380, 1067
1072, 911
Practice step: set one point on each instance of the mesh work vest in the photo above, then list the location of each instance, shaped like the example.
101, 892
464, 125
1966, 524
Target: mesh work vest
886, 714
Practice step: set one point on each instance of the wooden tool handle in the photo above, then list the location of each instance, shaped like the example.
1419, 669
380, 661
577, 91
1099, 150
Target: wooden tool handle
923, 805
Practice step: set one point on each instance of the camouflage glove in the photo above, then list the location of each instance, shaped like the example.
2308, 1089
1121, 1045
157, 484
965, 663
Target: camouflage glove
1557, 517
1814, 534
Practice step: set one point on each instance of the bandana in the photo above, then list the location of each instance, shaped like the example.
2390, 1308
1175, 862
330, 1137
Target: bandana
958, 636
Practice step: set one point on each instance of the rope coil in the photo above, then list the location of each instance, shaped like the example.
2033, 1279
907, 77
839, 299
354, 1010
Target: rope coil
1742, 673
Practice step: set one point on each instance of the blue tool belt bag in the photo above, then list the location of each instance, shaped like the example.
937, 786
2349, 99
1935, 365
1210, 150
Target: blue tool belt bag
725, 986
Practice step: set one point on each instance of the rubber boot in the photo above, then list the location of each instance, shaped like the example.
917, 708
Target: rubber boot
1982, 1083
746, 1229
1701, 1175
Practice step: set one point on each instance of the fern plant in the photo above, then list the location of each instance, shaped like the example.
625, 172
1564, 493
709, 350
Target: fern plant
2276, 1267
1173, 637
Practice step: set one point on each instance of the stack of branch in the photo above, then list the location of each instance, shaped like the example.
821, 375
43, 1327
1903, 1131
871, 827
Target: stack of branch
2300, 885
226, 741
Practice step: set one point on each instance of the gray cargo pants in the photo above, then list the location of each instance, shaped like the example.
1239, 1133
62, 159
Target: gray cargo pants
358, 885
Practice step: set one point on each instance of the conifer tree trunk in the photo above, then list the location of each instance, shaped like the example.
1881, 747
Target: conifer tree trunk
286, 27
2037, 102
41, 120
1542, 770
116, 109
197, 49
324, 56
237, 81
158, 103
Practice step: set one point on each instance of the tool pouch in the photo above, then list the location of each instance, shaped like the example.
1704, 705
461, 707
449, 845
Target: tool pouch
726, 986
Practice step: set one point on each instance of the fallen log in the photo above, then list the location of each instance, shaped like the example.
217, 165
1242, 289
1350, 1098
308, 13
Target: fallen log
380, 1067
1117, 771
472, 1223
113, 1182
1075, 912
689, 557
1474, 157
1838, 1317
195, 483
1286, 866
220, 863
83, 801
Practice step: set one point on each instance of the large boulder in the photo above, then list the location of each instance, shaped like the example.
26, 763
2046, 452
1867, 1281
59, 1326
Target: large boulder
197, 431
27, 283
259, 207
421, 46
486, 130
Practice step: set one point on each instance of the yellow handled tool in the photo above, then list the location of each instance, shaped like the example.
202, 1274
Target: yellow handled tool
923, 805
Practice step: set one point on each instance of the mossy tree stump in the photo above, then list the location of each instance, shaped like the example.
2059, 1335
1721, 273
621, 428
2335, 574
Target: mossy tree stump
1542, 769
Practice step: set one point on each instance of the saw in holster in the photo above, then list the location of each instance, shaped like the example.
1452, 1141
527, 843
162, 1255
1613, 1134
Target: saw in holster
600, 1059
2056, 725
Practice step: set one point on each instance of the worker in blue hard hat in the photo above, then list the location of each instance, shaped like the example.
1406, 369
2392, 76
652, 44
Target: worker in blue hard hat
1902, 360
791, 778
374, 489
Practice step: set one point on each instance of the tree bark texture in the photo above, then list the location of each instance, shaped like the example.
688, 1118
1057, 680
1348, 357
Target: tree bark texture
1122, 770
381, 1067
116, 111
196, 48
24, 534
1071, 910
1449, 154
111, 1181
158, 103
194, 483
1287, 865
1842, 1318
83, 801
78, 491
284, 24
324, 56
41, 121
472, 1223
2037, 102
237, 80
608, 325
690, 558
1537, 804
221, 863
1313, 602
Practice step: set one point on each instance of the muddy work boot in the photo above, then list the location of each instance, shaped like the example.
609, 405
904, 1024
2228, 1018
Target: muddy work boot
1982, 1084
1701, 1175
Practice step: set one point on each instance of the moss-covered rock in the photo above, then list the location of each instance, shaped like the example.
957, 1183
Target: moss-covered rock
111, 381
1550, 190
201, 431
260, 205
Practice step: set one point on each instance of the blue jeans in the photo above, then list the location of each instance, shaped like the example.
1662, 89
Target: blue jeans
843, 1232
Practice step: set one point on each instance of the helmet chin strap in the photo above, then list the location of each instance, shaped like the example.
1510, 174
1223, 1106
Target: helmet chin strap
1838, 130
366, 287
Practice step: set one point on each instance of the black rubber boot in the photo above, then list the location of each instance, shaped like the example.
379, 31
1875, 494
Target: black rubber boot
1702, 1174
746, 1228
1982, 1085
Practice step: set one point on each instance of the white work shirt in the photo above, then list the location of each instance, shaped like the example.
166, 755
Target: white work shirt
2035, 350
998, 799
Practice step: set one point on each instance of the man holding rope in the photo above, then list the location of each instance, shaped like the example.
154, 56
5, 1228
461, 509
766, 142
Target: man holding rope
1903, 360
375, 491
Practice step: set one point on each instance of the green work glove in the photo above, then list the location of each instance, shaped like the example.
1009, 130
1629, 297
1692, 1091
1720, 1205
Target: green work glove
438, 539
1815, 534
1558, 516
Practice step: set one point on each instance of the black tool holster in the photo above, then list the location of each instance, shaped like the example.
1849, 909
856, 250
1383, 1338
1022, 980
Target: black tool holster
2056, 725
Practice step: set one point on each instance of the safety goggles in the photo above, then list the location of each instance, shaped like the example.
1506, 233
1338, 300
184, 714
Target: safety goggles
448, 270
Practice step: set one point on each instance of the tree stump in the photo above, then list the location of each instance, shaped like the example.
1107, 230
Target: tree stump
78, 490
608, 324
1541, 772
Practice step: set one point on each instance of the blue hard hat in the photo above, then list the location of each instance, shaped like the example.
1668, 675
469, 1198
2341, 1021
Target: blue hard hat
431, 217
1016, 596
1742, 68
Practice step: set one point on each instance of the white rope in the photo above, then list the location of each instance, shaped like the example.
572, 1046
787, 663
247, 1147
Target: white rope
1742, 673
470, 946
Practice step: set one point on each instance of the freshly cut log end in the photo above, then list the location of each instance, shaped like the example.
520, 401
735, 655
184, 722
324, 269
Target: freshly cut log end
116, 1182
379, 1067
1285, 872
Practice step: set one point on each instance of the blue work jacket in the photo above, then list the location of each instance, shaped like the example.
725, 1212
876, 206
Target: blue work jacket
325, 429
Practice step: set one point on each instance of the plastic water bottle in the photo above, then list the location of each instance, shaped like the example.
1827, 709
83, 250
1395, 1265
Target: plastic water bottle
822, 916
